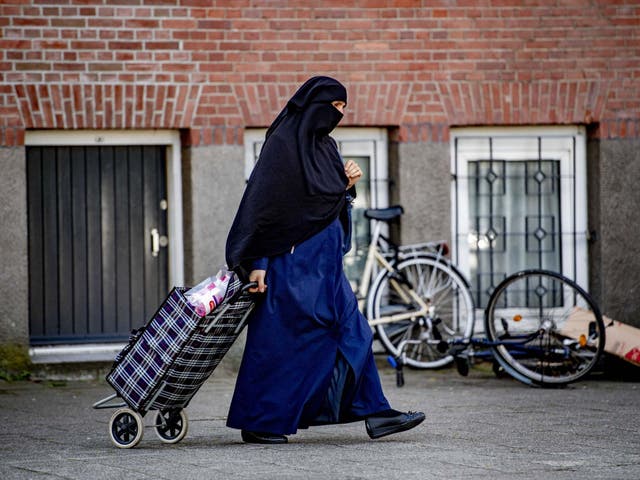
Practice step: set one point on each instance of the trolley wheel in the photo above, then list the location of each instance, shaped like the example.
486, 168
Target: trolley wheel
125, 428
171, 425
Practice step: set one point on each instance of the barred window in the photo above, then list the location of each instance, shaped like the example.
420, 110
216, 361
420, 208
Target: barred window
519, 202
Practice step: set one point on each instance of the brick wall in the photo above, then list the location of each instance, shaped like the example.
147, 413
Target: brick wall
214, 67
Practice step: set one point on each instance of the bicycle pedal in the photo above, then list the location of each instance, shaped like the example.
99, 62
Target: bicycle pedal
462, 364
442, 346
393, 361
436, 334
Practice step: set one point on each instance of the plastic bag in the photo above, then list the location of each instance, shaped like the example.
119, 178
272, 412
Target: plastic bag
209, 293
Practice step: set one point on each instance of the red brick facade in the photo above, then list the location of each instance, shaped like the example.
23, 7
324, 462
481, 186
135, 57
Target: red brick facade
213, 67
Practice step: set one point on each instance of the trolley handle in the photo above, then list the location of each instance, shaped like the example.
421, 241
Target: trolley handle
242, 290
230, 301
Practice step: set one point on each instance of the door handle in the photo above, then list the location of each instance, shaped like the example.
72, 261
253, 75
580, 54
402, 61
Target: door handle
155, 242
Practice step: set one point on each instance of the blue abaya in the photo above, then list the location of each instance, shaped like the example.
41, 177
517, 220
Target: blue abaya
308, 357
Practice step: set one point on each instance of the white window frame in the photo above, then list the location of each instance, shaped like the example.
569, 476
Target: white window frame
468, 144
357, 142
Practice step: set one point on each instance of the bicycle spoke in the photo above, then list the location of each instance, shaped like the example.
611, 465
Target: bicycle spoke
550, 330
437, 301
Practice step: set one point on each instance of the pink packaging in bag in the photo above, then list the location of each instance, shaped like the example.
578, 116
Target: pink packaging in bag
209, 293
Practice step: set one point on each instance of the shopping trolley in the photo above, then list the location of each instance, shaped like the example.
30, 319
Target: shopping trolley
167, 361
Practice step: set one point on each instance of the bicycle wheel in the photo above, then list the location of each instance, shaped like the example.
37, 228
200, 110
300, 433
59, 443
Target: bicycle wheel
424, 302
549, 330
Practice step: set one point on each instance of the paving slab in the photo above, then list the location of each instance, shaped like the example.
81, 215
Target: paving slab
479, 427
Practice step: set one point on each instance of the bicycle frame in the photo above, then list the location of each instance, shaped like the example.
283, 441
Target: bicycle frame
538, 340
515, 345
375, 257
464, 349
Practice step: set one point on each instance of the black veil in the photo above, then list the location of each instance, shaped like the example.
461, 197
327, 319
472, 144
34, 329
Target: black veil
297, 187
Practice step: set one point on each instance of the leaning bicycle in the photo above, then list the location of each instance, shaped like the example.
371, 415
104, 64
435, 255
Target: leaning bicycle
415, 294
541, 328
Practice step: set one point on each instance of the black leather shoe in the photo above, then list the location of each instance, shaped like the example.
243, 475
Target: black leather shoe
262, 437
381, 426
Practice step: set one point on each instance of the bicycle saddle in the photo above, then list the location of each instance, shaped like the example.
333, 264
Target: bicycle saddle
384, 214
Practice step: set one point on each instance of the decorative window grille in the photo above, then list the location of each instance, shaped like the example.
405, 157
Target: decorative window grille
519, 201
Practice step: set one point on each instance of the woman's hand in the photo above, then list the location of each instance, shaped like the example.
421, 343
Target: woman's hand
258, 276
353, 172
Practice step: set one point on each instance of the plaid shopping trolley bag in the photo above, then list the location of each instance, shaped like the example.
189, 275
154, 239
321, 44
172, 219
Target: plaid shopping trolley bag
167, 361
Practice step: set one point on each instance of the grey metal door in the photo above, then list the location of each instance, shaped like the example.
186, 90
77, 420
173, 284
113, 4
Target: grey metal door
97, 226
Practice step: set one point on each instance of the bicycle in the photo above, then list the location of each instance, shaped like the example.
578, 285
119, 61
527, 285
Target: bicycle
541, 328
413, 292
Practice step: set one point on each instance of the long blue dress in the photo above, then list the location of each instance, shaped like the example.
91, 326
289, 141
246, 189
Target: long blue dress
308, 358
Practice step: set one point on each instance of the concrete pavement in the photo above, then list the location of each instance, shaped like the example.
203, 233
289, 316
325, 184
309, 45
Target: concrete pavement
477, 427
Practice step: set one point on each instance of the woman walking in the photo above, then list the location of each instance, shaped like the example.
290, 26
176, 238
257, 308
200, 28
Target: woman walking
308, 358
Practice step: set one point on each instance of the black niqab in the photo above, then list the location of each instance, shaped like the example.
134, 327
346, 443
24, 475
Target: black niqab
297, 187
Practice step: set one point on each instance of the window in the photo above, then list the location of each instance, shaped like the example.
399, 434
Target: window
519, 201
366, 146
